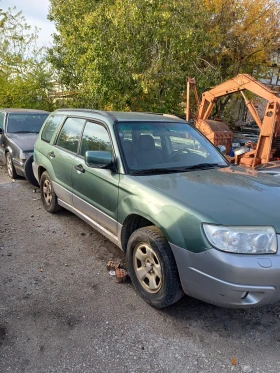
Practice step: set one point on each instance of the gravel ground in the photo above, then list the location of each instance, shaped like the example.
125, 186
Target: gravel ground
60, 311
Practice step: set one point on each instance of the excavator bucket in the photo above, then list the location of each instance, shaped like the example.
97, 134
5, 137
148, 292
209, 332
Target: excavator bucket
216, 131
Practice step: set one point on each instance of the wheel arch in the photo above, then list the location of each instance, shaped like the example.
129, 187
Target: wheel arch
41, 170
131, 224
138, 220
8, 149
135, 212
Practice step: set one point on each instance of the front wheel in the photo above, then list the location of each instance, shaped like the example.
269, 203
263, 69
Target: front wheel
152, 267
10, 166
48, 195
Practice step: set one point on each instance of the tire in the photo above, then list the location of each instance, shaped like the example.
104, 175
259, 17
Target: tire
48, 196
10, 167
147, 248
28, 170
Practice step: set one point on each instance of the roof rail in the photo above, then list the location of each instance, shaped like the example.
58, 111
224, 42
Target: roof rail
101, 112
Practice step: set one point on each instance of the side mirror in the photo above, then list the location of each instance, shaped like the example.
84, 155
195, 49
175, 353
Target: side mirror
1, 131
99, 159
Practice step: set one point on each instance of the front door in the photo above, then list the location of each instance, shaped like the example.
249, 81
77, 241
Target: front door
95, 189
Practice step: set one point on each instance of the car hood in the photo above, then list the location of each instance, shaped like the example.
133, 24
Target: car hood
25, 141
229, 196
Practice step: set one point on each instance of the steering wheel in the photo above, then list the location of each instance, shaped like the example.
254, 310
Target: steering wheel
176, 153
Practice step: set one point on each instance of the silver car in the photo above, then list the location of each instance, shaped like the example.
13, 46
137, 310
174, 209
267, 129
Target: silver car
19, 129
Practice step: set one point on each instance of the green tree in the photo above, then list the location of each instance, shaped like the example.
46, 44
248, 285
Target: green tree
136, 54
25, 75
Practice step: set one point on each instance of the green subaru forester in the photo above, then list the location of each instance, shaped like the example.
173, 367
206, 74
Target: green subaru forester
152, 184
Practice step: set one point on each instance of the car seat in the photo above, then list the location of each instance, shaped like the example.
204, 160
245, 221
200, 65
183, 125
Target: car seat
128, 152
147, 153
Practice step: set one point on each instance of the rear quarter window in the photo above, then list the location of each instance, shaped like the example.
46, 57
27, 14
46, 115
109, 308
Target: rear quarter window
50, 126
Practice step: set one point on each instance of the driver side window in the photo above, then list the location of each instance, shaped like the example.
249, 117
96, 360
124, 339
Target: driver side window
95, 137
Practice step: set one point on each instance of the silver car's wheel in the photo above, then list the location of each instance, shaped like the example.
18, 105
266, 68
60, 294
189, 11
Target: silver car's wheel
147, 268
10, 167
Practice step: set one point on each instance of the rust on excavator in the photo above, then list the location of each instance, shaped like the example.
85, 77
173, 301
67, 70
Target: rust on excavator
267, 148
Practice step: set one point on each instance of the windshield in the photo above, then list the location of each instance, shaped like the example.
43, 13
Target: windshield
21, 122
166, 146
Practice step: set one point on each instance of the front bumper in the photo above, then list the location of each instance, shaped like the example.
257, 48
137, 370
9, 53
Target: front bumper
19, 166
229, 280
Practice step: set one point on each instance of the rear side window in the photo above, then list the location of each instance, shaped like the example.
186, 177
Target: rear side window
70, 134
50, 126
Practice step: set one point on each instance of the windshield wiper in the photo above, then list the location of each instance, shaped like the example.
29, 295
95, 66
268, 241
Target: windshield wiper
156, 171
23, 132
200, 166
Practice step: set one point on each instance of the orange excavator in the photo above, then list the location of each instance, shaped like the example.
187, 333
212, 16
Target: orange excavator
268, 145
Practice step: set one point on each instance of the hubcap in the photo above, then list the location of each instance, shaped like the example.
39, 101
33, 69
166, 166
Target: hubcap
9, 165
47, 192
147, 268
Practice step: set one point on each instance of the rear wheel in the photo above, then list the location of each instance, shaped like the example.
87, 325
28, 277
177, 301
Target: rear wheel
152, 267
10, 166
48, 195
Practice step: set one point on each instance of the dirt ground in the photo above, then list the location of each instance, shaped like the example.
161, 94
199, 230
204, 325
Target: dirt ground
60, 311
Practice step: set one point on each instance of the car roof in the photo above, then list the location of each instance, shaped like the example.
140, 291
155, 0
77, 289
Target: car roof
116, 116
23, 111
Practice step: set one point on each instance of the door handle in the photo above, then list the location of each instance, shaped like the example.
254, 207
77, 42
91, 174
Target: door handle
80, 168
51, 155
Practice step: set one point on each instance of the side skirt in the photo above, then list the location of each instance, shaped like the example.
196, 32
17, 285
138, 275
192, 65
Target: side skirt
91, 222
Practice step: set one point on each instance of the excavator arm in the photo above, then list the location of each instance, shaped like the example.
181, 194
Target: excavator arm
269, 127
238, 84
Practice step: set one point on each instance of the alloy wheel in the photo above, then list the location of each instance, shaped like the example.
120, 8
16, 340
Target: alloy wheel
47, 192
147, 268
9, 165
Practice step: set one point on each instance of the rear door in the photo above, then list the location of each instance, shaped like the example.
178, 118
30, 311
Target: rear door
62, 156
95, 189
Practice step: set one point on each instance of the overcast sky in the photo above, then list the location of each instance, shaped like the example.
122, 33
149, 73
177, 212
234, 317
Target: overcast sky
35, 12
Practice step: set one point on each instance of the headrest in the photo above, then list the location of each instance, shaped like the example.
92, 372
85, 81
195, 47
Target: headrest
146, 142
127, 146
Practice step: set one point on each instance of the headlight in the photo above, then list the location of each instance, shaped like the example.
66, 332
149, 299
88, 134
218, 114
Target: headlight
242, 240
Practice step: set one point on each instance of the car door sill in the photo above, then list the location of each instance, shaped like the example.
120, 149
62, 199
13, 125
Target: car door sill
91, 222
